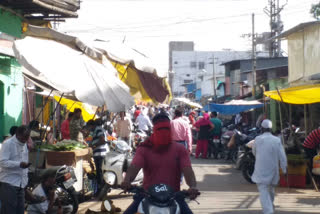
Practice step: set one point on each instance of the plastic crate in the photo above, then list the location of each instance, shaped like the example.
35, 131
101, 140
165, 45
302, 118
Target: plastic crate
298, 181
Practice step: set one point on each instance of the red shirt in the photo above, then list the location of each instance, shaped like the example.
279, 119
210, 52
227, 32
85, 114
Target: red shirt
65, 131
165, 167
312, 140
136, 114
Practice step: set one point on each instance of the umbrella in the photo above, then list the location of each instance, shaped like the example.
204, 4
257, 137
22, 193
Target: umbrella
53, 65
137, 71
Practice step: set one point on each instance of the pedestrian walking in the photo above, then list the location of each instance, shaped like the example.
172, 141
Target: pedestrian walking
14, 171
269, 153
144, 122
181, 131
100, 148
123, 127
204, 126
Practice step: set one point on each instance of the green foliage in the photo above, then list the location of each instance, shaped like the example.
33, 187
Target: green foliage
65, 145
315, 11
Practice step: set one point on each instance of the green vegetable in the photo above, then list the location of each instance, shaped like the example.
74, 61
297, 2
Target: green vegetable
65, 145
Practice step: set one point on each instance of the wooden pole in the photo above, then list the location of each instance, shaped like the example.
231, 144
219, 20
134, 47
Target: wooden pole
305, 120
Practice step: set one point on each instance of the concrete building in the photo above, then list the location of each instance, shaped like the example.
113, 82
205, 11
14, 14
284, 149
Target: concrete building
193, 71
270, 73
177, 46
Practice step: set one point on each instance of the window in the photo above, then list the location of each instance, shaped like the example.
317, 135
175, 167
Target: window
193, 64
188, 75
176, 62
201, 65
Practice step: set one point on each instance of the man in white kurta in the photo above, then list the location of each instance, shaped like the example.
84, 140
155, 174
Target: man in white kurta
269, 154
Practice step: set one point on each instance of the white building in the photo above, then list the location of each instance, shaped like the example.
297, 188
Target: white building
190, 67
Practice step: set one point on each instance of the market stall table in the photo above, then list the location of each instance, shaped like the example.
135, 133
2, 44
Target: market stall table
72, 158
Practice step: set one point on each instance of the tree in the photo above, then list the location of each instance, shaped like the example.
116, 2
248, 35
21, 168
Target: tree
315, 11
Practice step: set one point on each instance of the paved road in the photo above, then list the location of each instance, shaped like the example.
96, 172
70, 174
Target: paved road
224, 191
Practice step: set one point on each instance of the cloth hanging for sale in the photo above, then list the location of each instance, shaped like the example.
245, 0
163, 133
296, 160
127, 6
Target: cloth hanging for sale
306, 94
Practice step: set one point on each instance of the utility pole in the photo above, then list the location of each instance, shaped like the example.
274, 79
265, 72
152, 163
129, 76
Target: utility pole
214, 81
276, 26
254, 59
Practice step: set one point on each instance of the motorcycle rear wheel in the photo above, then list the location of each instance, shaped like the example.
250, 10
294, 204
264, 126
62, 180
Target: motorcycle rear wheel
247, 171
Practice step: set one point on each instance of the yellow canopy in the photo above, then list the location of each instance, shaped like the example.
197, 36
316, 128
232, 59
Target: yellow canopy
88, 111
306, 94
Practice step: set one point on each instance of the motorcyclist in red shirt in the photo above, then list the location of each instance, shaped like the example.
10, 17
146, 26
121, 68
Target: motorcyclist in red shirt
174, 158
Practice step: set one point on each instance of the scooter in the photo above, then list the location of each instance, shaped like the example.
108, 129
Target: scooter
115, 166
160, 199
65, 179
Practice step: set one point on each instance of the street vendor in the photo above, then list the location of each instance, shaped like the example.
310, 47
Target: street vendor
76, 125
311, 143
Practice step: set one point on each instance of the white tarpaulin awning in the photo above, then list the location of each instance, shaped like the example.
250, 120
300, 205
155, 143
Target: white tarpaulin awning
54, 65
243, 102
188, 102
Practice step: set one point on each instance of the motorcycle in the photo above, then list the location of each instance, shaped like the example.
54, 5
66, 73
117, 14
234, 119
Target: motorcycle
115, 166
160, 199
139, 136
241, 142
65, 179
248, 161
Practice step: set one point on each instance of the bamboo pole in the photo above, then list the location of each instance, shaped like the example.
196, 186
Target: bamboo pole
305, 120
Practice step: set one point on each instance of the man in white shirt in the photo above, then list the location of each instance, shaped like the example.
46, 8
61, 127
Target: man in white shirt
14, 172
123, 127
269, 153
144, 122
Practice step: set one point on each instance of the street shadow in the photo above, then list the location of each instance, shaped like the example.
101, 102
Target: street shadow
210, 161
309, 201
232, 181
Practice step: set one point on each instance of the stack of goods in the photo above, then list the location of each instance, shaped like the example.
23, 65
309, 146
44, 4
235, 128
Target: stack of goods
297, 170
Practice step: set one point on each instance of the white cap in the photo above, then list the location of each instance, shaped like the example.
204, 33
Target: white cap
267, 124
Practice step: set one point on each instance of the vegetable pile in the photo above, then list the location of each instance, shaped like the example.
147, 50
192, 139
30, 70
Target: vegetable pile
65, 145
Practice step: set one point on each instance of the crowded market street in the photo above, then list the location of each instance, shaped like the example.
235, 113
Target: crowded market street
225, 191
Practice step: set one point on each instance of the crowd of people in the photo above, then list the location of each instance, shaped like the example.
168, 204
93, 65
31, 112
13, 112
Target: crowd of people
172, 133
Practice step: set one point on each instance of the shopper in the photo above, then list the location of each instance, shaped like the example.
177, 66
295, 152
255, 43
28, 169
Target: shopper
204, 127
269, 154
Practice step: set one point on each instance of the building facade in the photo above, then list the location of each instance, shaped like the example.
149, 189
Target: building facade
11, 80
196, 72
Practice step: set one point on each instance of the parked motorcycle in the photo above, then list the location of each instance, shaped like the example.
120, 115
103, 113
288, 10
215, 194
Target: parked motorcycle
248, 161
160, 199
115, 166
65, 179
241, 142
